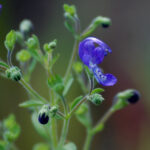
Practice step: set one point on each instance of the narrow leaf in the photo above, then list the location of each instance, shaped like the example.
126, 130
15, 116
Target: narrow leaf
97, 90
76, 101
68, 85
3, 64
31, 103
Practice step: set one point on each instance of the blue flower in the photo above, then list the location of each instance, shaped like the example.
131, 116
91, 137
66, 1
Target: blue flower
92, 52
0, 8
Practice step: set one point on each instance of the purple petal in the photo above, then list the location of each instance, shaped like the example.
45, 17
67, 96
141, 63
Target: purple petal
108, 79
94, 49
104, 79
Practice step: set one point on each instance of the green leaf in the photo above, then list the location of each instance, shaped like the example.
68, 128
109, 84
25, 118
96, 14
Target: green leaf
3, 64
3, 145
83, 115
57, 84
68, 85
70, 146
42, 130
76, 101
41, 146
31, 103
10, 40
12, 128
97, 90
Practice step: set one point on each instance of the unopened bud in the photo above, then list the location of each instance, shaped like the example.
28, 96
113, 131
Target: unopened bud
44, 114
96, 99
14, 73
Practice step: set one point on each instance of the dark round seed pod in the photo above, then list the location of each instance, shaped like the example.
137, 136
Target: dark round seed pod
105, 25
134, 98
43, 118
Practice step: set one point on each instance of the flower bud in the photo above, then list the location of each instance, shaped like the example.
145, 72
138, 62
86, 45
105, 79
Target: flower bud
53, 111
26, 26
13, 73
71, 9
44, 114
33, 43
23, 56
78, 67
96, 99
10, 40
122, 99
50, 46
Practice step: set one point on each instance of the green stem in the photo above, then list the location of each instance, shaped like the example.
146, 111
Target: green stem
88, 140
97, 128
54, 132
74, 52
53, 129
77, 106
31, 90
104, 118
64, 133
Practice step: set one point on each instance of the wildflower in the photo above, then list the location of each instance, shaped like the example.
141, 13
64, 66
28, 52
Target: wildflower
92, 52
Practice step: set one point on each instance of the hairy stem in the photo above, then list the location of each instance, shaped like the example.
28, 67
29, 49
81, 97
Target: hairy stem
64, 132
31, 90
74, 52
88, 140
78, 105
105, 117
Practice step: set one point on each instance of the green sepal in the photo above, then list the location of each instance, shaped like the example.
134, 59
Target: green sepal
31, 103
10, 40
119, 104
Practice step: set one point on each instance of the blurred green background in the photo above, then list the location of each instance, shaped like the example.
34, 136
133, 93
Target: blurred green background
129, 39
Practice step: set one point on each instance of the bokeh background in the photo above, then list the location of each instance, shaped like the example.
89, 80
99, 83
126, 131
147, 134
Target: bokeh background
129, 38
